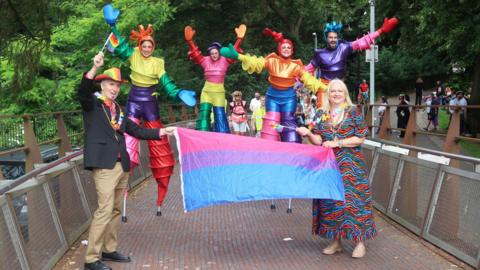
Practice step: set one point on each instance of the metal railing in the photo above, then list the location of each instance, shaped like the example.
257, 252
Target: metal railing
427, 192
450, 137
26, 133
421, 189
61, 193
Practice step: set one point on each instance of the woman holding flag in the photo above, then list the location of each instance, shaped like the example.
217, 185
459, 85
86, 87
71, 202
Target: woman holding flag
147, 74
339, 125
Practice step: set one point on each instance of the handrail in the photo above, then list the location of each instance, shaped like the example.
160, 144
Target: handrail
424, 106
426, 150
22, 179
14, 150
37, 114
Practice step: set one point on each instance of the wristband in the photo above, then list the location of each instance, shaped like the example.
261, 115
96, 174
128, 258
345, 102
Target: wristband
340, 143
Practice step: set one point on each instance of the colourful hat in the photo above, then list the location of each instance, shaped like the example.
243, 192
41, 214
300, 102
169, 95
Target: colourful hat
143, 35
113, 74
278, 36
332, 27
214, 45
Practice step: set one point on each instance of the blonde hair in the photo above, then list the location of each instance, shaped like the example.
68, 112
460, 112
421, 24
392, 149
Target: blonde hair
236, 93
326, 103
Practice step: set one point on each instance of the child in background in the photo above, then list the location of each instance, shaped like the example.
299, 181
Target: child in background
257, 116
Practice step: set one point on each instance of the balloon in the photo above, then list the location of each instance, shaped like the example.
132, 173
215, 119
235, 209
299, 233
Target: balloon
110, 14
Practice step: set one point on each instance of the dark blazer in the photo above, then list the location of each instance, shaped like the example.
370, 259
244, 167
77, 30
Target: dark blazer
104, 145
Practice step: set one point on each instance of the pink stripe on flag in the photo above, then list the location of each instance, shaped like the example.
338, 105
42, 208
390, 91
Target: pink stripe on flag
194, 141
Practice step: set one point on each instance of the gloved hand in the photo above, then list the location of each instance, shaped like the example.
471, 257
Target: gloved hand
188, 97
189, 33
110, 14
389, 25
229, 52
240, 30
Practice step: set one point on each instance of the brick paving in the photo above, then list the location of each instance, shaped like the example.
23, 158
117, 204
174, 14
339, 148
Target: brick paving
248, 236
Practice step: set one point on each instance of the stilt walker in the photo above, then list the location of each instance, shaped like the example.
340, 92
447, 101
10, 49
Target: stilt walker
332, 60
147, 75
215, 68
280, 99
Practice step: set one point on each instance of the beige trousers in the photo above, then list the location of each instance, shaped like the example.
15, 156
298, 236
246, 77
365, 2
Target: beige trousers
110, 185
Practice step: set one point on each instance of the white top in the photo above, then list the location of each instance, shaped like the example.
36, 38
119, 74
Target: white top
456, 102
381, 109
254, 104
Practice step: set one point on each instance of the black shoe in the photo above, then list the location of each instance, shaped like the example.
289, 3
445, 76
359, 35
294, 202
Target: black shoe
98, 265
115, 257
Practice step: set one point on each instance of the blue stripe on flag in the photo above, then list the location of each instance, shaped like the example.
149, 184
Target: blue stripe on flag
245, 182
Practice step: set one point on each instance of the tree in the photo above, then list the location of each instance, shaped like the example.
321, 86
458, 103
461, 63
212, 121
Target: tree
447, 30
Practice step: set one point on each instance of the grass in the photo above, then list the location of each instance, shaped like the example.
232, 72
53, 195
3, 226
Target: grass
443, 119
473, 149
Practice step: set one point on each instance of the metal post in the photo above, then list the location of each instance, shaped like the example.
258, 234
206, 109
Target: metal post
65, 144
315, 72
372, 60
33, 153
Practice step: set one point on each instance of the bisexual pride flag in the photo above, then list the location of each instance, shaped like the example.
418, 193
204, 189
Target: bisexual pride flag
219, 168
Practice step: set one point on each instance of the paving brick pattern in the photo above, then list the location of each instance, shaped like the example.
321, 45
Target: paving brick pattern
247, 236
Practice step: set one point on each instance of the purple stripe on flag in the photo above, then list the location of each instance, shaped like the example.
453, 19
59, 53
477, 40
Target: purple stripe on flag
193, 161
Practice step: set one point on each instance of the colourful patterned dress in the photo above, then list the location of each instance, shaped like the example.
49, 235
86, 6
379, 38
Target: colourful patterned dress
353, 218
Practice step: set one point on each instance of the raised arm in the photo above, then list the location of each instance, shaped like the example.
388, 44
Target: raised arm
194, 53
364, 42
121, 48
86, 86
240, 31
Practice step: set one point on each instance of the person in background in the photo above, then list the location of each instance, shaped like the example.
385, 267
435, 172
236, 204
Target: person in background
459, 100
418, 91
310, 109
300, 112
255, 102
363, 93
381, 111
440, 89
257, 116
403, 114
340, 125
432, 112
238, 114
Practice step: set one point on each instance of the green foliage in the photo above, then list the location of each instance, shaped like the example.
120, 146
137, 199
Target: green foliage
46, 49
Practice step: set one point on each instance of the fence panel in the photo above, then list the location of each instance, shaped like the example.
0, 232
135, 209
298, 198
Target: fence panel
383, 177
456, 220
36, 221
8, 256
68, 202
412, 195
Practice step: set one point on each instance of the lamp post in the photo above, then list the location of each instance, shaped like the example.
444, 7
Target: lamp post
372, 62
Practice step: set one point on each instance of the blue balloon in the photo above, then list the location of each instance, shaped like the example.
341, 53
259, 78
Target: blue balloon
110, 14
188, 97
